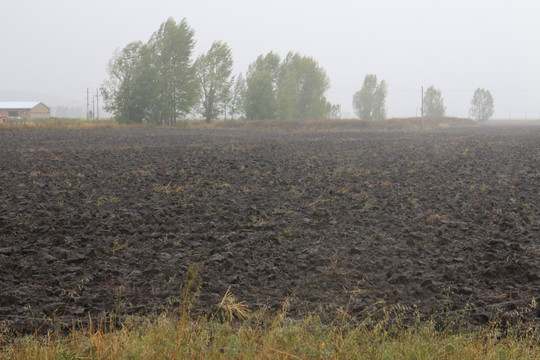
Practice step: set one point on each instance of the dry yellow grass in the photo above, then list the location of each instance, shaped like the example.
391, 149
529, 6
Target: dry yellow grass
265, 336
405, 124
402, 124
57, 124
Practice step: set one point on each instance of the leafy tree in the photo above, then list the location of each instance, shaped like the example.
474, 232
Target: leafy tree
156, 81
214, 71
302, 85
288, 96
369, 102
261, 87
237, 100
433, 103
333, 111
290, 89
270, 63
482, 105
128, 93
260, 102
177, 85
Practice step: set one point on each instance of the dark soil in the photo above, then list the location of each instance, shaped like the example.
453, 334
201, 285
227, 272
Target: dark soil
94, 222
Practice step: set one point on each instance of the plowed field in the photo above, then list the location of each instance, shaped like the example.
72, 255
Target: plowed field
445, 222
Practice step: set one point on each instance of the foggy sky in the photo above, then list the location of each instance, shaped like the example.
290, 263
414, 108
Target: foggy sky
56, 49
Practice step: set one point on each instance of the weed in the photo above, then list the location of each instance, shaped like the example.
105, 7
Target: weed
231, 308
118, 245
369, 203
190, 289
167, 189
258, 223
436, 219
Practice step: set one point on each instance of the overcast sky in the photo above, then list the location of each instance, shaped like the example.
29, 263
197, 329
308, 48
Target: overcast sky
56, 49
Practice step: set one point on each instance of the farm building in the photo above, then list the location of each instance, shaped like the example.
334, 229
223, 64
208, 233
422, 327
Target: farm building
25, 109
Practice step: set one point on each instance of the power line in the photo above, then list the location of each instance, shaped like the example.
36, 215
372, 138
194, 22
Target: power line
74, 102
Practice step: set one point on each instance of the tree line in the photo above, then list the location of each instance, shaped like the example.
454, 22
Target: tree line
369, 102
160, 82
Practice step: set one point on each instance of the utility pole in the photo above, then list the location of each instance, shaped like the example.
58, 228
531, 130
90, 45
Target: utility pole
97, 104
422, 109
87, 102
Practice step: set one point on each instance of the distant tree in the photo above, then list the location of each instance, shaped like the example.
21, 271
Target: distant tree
482, 105
270, 63
154, 82
214, 72
302, 86
288, 96
369, 103
261, 88
176, 82
294, 88
379, 112
237, 100
260, 102
333, 111
433, 103
128, 92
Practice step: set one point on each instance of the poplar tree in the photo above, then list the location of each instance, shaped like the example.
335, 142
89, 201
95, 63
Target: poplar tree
176, 84
261, 87
214, 72
369, 103
236, 104
154, 82
482, 105
302, 87
126, 93
434, 103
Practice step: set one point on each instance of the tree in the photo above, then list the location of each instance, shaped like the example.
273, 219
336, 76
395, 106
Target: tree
156, 81
333, 111
270, 63
302, 85
177, 85
128, 93
214, 71
369, 103
433, 103
237, 100
294, 88
482, 105
261, 87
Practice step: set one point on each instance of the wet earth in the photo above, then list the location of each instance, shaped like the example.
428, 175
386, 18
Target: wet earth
441, 223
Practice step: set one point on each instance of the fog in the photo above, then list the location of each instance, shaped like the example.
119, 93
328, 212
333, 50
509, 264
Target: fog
53, 51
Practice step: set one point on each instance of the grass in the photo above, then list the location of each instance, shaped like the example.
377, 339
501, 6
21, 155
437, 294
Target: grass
400, 124
405, 124
260, 336
58, 123
235, 332
394, 124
